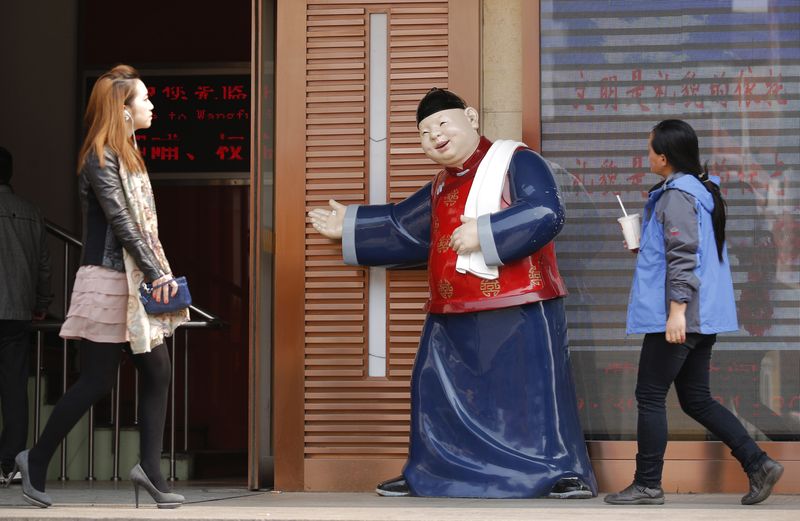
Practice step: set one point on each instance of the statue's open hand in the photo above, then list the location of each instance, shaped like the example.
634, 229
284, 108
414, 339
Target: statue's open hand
465, 238
328, 221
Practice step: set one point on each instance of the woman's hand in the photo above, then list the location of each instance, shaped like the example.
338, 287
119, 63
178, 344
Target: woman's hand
465, 238
328, 222
676, 323
634, 250
167, 290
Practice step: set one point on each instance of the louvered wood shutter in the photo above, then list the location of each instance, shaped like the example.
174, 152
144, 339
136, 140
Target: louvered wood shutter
349, 415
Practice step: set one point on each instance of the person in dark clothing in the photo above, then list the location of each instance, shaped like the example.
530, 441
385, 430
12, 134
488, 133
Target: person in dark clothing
25, 294
682, 296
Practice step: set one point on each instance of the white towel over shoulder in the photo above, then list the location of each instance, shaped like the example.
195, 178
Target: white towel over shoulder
484, 198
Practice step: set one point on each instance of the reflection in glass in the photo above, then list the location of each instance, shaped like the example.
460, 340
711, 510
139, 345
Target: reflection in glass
606, 80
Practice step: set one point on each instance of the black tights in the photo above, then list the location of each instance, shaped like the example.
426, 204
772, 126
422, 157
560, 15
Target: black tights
99, 362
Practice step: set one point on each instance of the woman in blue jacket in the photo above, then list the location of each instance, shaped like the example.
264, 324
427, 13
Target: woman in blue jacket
682, 296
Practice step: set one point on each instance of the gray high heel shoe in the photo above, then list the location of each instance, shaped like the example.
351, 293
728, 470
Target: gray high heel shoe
29, 494
162, 499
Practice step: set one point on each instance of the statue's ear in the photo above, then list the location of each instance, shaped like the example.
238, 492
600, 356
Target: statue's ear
472, 116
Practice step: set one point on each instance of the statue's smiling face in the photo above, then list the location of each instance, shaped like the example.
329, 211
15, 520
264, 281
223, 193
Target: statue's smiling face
450, 136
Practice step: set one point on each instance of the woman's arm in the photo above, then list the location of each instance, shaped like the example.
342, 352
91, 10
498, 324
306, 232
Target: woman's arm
678, 215
107, 187
676, 211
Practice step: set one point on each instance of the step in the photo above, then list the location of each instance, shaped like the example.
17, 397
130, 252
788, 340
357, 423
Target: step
78, 447
78, 452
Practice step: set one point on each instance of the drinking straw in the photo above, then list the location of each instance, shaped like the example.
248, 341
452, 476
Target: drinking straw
622, 206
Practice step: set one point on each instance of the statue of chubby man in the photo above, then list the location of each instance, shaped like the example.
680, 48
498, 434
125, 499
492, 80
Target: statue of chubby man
493, 407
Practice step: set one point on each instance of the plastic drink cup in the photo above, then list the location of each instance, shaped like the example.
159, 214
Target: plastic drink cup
631, 229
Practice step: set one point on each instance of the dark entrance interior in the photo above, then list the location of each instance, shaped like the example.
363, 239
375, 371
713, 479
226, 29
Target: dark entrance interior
203, 220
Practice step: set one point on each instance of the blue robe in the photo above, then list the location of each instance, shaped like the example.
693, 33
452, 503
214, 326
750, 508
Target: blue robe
493, 406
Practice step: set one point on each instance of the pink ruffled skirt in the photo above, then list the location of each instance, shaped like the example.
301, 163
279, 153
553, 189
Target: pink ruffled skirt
98, 308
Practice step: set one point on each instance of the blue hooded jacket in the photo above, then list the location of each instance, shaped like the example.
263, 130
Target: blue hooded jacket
678, 261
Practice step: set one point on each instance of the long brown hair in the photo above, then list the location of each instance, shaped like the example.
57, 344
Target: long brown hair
105, 121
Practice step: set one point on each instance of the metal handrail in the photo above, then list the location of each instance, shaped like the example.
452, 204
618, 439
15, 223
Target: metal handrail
207, 320
63, 234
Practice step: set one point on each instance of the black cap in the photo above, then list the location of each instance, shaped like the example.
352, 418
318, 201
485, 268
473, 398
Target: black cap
438, 99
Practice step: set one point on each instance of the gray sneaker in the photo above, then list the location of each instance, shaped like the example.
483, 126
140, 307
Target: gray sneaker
637, 495
762, 480
570, 488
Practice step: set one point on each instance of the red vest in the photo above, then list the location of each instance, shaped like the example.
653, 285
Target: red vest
522, 281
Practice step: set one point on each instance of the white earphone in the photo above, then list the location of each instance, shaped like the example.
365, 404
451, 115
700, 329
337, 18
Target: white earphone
129, 117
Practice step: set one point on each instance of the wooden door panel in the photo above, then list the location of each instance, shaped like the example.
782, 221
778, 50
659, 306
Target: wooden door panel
354, 427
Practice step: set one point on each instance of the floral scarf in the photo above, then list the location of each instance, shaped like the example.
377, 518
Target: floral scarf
145, 331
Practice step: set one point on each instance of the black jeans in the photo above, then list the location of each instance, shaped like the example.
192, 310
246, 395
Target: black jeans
13, 389
662, 363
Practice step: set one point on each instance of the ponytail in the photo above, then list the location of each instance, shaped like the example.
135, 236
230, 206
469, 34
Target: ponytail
719, 215
677, 140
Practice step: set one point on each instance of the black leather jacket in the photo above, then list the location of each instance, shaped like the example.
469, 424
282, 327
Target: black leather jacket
107, 223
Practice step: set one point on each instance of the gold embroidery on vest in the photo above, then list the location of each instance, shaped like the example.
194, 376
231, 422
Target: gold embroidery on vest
445, 289
535, 274
451, 198
435, 223
443, 244
490, 288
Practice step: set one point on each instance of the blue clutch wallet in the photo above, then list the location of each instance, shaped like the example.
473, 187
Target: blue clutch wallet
181, 300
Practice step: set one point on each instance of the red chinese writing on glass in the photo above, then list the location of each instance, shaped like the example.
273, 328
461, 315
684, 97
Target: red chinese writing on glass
743, 174
644, 89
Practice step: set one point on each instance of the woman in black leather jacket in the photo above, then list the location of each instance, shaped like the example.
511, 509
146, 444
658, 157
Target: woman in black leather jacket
121, 250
